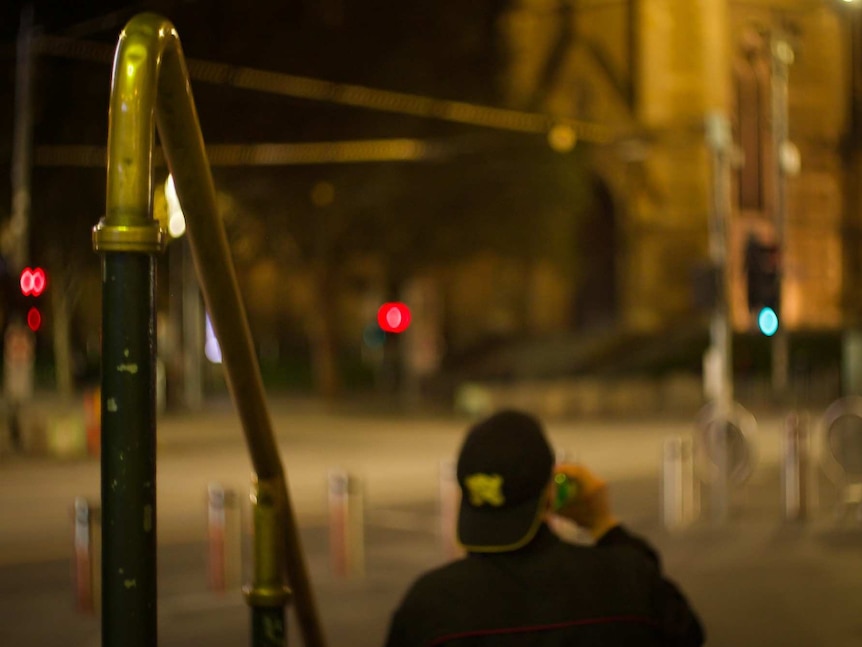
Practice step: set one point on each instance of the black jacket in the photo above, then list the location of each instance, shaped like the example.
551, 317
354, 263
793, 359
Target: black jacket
549, 594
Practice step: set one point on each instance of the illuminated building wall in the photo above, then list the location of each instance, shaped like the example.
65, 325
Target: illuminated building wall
656, 68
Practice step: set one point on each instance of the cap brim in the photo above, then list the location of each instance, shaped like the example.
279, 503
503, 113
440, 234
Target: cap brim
491, 530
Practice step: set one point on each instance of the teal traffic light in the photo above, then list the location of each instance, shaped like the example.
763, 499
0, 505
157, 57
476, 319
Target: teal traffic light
767, 321
763, 280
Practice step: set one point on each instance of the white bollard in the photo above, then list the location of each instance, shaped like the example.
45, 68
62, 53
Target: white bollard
844, 411
346, 524
224, 536
795, 475
680, 492
719, 499
851, 501
88, 556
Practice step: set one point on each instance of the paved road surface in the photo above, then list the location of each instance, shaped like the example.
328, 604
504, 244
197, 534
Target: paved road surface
397, 457
756, 580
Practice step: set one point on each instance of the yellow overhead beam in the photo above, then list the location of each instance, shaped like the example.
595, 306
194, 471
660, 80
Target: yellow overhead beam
271, 154
301, 87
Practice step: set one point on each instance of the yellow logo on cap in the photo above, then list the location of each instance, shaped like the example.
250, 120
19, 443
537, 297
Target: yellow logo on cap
485, 488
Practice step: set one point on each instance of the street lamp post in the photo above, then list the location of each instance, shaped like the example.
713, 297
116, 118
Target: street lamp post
720, 356
720, 364
16, 239
781, 55
851, 355
188, 314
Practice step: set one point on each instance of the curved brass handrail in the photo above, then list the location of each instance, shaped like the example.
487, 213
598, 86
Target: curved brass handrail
150, 87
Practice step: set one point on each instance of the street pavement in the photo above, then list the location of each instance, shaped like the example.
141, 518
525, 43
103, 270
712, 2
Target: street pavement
755, 579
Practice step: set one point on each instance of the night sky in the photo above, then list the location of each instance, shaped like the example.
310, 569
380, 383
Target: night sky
55, 15
446, 49
504, 192
441, 48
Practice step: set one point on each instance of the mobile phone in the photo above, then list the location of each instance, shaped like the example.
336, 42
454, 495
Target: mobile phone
566, 490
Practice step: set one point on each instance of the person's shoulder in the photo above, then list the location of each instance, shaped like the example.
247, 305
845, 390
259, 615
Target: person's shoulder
444, 573
435, 599
631, 546
623, 556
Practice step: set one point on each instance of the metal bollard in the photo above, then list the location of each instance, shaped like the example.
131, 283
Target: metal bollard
795, 476
450, 500
680, 492
224, 538
346, 525
93, 420
851, 501
725, 454
840, 460
88, 558
719, 498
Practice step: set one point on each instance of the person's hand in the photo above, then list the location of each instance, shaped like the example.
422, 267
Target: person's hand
591, 508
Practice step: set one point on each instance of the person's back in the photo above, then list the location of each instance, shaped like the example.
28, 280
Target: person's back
548, 594
520, 585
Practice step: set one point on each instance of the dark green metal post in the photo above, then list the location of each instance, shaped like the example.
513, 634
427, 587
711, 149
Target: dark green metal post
268, 627
149, 87
128, 238
128, 451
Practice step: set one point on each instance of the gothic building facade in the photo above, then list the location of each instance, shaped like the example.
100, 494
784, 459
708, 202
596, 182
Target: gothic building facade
657, 71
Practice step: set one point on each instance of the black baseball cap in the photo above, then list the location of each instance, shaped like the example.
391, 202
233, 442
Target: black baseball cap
504, 468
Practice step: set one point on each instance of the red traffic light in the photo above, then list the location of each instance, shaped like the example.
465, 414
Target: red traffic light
33, 281
393, 317
34, 319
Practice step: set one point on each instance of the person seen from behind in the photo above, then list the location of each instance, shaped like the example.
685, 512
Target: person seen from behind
521, 585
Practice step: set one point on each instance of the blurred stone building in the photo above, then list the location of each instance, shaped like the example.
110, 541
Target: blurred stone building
654, 70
